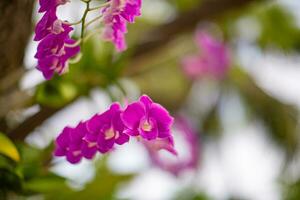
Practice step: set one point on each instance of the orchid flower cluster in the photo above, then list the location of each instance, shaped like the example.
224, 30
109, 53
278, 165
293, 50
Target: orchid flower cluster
56, 47
145, 120
213, 59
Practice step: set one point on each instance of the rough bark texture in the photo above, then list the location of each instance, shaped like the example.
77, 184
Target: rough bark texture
15, 30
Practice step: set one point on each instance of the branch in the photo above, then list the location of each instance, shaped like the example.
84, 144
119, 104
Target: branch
31, 123
188, 21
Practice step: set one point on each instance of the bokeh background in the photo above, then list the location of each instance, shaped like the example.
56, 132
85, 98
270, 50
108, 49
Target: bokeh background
247, 124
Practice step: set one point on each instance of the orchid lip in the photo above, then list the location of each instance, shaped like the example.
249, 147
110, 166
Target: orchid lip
109, 134
76, 153
146, 126
92, 144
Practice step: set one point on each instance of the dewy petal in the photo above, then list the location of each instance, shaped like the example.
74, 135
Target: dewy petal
132, 115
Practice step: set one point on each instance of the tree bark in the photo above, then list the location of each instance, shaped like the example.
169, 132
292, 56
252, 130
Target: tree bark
15, 30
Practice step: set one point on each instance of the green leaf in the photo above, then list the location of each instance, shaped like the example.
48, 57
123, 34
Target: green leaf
9, 181
47, 184
8, 149
279, 28
292, 191
56, 93
211, 123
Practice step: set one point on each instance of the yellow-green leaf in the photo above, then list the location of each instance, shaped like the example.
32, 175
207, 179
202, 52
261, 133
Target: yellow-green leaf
8, 149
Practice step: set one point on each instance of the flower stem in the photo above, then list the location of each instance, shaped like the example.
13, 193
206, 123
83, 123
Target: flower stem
78, 42
75, 59
121, 88
100, 6
84, 18
91, 34
93, 20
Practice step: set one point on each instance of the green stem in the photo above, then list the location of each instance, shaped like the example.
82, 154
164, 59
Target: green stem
92, 21
101, 6
95, 31
120, 86
84, 18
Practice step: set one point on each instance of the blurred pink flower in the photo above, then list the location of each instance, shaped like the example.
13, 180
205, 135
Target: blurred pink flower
213, 60
180, 164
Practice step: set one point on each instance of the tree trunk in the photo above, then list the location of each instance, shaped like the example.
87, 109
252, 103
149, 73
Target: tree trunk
15, 30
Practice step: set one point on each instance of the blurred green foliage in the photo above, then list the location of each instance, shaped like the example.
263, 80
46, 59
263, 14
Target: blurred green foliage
280, 119
98, 67
103, 186
32, 176
185, 5
278, 28
292, 191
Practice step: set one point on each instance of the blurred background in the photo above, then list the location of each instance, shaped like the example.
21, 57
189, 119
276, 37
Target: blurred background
247, 123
